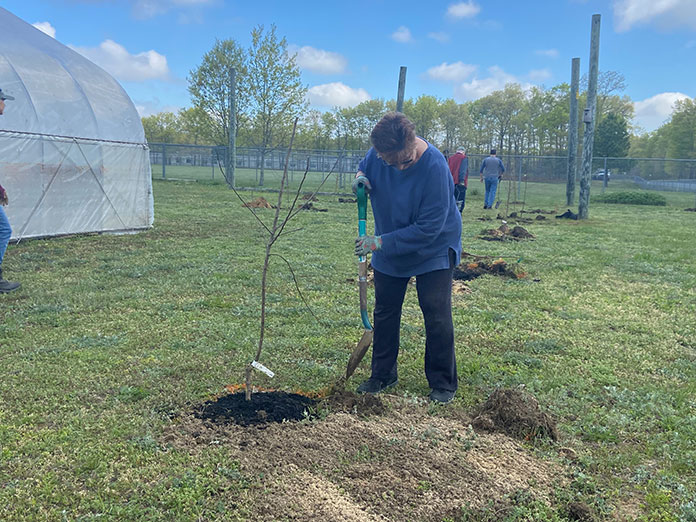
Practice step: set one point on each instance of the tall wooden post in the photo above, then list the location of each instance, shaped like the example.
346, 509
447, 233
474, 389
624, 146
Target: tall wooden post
402, 88
232, 129
589, 116
573, 131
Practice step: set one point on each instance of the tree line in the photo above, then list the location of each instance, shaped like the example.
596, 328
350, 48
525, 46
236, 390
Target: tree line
269, 95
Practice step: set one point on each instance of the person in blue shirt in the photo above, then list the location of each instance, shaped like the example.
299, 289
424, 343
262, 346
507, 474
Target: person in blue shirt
491, 171
417, 233
5, 229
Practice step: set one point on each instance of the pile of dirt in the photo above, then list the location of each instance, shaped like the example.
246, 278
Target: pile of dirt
258, 203
405, 464
349, 402
264, 407
505, 233
537, 211
347, 200
690, 210
568, 214
516, 413
310, 206
477, 268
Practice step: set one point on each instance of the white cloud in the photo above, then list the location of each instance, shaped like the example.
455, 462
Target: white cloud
149, 107
539, 75
551, 53
464, 9
656, 110
46, 27
480, 87
440, 37
402, 35
336, 94
116, 60
663, 13
451, 72
318, 60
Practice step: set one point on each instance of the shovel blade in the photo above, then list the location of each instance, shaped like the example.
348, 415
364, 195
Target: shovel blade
359, 352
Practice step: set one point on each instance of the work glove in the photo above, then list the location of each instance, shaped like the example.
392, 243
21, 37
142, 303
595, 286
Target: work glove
360, 179
3, 196
367, 244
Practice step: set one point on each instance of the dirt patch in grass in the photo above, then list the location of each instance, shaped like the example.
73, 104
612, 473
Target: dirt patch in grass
408, 463
516, 413
258, 203
505, 233
310, 206
467, 271
347, 200
690, 210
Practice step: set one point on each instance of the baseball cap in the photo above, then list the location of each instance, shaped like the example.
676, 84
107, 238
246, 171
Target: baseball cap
4, 96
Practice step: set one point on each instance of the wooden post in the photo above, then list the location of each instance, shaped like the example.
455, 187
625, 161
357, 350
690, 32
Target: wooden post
573, 131
402, 88
589, 117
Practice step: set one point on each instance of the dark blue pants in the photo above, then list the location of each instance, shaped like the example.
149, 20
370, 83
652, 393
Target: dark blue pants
460, 196
435, 300
5, 233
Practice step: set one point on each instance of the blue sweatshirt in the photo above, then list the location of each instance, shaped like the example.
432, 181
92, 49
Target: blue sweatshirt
492, 167
415, 213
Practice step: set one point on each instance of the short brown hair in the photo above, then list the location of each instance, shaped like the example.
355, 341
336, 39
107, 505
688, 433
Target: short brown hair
393, 134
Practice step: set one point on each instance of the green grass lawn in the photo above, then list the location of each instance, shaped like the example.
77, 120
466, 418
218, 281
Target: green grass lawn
111, 337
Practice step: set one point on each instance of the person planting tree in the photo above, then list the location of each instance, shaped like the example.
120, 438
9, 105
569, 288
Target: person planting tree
417, 233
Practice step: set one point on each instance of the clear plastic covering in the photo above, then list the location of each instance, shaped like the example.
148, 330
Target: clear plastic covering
73, 155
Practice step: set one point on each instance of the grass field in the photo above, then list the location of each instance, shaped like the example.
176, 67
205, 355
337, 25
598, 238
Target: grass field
111, 338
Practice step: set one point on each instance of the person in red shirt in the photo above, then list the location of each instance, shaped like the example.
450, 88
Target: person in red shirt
459, 168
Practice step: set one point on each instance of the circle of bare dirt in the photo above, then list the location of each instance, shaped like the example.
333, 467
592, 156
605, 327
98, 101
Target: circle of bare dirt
263, 408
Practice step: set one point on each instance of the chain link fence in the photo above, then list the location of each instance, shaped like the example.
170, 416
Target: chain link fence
335, 168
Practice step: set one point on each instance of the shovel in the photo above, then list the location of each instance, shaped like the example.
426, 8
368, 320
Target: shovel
366, 339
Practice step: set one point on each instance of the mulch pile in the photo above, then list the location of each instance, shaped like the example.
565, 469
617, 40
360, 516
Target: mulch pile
264, 407
516, 413
505, 233
690, 209
258, 203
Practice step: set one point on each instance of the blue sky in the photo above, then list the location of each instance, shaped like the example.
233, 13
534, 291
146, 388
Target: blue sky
352, 51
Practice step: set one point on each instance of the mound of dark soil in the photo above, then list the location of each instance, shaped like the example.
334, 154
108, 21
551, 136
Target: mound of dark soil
690, 210
505, 233
347, 200
568, 214
537, 211
310, 206
515, 412
479, 267
263, 408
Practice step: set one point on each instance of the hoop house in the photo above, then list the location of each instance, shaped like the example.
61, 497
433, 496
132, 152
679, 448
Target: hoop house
73, 155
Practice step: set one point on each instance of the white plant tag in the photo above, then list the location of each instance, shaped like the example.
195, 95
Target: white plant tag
262, 368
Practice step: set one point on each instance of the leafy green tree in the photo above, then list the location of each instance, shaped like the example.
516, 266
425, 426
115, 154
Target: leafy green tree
162, 128
611, 137
276, 92
196, 126
424, 113
209, 86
